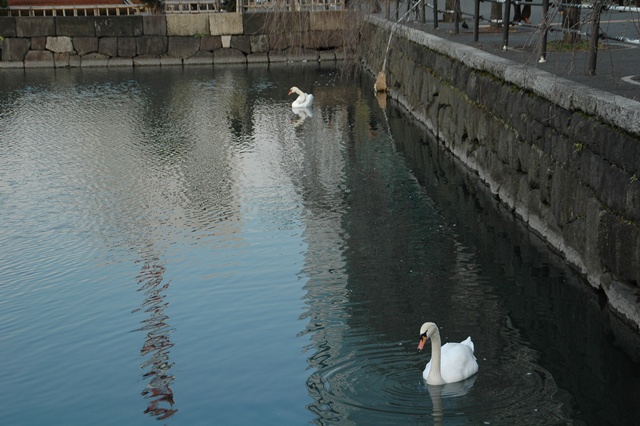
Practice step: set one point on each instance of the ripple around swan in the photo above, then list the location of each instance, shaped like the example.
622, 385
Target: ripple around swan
384, 382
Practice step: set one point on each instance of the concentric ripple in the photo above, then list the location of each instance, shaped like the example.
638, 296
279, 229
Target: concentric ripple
385, 382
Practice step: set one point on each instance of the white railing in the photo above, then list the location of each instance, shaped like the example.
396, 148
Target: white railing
176, 6
87, 10
292, 5
204, 6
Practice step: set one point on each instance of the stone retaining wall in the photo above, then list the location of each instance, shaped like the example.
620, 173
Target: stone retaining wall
88, 41
563, 157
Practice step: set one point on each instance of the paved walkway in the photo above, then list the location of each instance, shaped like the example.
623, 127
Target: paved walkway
618, 64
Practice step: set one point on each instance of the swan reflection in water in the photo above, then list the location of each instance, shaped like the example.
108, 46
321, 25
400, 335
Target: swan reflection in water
300, 114
157, 343
447, 391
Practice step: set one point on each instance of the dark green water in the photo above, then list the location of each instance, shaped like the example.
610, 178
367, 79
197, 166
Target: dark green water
180, 247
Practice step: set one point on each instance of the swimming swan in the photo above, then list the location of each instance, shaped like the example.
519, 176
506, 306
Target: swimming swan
304, 100
453, 362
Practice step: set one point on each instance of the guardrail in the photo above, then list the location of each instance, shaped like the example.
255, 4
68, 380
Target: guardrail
206, 6
86, 10
176, 7
593, 21
291, 5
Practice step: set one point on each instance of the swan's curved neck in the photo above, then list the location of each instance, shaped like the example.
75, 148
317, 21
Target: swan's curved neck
435, 375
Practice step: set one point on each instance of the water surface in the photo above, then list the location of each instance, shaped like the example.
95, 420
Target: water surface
179, 245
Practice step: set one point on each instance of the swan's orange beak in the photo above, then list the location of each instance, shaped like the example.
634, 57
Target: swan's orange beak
290, 91
423, 340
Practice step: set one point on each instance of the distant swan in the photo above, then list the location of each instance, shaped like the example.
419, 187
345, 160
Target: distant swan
453, 362
304, 100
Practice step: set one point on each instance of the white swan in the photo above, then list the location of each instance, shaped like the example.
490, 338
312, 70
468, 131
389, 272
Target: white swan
453, 362
304, 100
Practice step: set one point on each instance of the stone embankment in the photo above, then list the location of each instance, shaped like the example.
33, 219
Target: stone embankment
139, 40
563, 157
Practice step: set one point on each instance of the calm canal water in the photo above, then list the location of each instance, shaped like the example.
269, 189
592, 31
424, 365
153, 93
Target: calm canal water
179, 247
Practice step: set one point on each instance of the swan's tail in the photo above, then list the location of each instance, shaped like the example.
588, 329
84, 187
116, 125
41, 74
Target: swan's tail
468, 342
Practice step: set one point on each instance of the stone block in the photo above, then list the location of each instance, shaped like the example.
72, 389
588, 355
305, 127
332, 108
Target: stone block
127, 47
94, 60
60, 44
254, 23
183, 47
210, 43
154, 25
278, 42
108, 46
187, 25
327, 55
241, 42
38, 43
120, 62
118, 26
277, 56
15, 49
84, 45
298, 54
620, 246
76, 26
170, 61
200, 58
294, 39
152, 45
34, 26
61, 60
258, 58
633, 200
259, 43
226, 24
229, 56
7, 26
38, 59
146, 61
74, 61
322, 40
328, 20
11, 64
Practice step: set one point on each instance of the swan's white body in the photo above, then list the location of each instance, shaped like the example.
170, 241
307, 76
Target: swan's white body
450, 363
304, 100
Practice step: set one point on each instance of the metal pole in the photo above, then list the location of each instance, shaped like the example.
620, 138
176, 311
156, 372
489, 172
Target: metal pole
505, 24
476, 20
423, 11
456, 16
435, 14
545, 31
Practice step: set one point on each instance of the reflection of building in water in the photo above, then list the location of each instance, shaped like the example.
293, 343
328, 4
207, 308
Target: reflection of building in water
157, 342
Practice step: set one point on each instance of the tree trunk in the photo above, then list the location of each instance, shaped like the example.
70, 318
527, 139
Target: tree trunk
448, 5
571, 21
496, 15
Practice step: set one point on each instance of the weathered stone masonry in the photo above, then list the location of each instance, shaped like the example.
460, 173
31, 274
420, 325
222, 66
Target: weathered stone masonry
563, 157
88, 41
